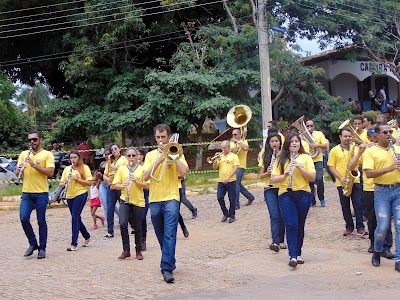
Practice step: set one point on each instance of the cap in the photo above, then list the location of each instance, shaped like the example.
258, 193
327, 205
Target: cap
371, 132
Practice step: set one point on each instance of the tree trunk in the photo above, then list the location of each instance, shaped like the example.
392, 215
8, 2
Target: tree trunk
200, 148
231, 17
123, 138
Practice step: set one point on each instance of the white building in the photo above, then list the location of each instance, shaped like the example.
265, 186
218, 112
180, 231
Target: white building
353, 78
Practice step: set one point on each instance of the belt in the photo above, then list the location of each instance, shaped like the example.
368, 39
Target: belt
390, 186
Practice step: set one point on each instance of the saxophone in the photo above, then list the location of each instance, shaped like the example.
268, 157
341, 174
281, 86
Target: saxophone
351, 175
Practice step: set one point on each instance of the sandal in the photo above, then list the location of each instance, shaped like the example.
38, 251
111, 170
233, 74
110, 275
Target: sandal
282, 246
86, 243
300, 260
274, 247
72, 248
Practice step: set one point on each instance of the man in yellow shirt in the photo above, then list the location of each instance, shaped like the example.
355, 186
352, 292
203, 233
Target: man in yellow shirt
382, 164
320, 143
339, 162
358, 126
39, 165
240, 147
163, 174
227, 164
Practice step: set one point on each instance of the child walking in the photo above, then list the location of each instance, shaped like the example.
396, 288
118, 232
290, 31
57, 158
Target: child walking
95, 201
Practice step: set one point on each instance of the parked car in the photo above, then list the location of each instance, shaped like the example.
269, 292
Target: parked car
4, 161
12, 165
6, 175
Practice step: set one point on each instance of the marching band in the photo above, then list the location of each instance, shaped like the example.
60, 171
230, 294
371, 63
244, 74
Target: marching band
290, 166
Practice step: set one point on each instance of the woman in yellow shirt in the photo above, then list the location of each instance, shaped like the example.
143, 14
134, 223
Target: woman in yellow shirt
294, 169
271, 151
129, 178
76, 178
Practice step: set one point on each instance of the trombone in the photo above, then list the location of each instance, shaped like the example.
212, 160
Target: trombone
171, 151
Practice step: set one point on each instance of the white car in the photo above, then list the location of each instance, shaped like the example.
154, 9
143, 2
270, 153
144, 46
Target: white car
4, 161
6, 175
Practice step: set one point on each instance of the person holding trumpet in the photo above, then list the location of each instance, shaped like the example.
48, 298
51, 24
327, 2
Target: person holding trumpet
76, 178
227, 163
129, 179
163, 169
294, 170
272, 147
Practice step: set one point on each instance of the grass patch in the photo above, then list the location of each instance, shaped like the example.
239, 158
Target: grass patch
11, 190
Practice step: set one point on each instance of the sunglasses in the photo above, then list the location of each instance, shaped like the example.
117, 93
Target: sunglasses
387, 131
309, 126
114, 149
131, 155
33, 140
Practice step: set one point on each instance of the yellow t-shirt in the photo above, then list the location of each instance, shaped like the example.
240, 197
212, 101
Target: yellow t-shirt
168, 187
136, 196
368, 183
364, 137
376, 158
306, 146
299, 183
340, 158
267, 179
76, 188
121, 161
242, 154
319, 139
226, 165
33, 181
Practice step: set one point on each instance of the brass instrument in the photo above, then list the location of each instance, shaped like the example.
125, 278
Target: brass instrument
23, 165
289, 187
351, 175
172, 151
237, 117
306, 135
217, 156
356, 138
273, 157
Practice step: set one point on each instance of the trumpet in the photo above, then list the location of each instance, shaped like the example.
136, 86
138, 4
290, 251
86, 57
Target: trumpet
172, 151
289, 188
273, 157
217, 156
17, 182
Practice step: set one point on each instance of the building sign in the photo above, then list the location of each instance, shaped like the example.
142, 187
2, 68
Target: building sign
373, 67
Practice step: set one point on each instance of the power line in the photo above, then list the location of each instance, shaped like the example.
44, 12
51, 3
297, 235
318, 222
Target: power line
110, 21
72, 15
38, 7
82, 20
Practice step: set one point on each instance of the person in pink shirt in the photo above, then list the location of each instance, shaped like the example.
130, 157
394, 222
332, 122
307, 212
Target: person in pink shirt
83, 146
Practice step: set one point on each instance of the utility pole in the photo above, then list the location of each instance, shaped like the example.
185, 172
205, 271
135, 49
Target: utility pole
264, 67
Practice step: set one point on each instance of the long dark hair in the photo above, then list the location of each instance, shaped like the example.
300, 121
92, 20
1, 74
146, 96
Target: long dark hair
268, 150
285, 154
79, 164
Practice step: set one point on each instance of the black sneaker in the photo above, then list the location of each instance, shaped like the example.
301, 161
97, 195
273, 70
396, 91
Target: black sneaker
41, 254
168, 277
388, 254
30, 250
397, 266
232, 219
371, 249
194, 213
224, 218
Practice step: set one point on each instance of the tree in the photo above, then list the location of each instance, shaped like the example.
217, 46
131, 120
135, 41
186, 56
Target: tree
34, 98
13, 124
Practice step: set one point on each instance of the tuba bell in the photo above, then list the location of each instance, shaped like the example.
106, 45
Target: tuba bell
306, 135
356, 138
238, 117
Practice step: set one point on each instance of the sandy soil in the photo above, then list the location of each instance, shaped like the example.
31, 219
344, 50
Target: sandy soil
217, 261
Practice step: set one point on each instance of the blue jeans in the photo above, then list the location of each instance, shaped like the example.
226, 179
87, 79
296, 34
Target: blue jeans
76, 206
240, 188
112, 197
221, 191
325, 163
164, 216
319, 180
356, 199
384, 106
277, 224
144, 217
39, 202
103, 190
294, 209
387, 202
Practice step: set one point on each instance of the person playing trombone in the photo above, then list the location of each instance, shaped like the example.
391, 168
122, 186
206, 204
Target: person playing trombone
294, 169
163, 174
